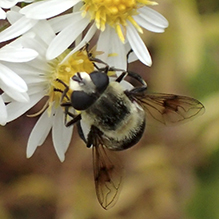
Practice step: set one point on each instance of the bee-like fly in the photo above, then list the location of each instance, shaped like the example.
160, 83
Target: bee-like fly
112, 118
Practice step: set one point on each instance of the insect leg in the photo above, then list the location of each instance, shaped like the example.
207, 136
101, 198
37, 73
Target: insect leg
93, 60
66, 106
133, 74
137, 77
74, 120
128, 54
80, 132
122, 76
136, 90
64, 92
58, 90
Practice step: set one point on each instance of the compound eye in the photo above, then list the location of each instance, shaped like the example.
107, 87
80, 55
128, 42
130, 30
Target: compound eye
81, 100
100, 80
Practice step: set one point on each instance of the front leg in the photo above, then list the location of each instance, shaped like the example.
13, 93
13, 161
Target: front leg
137, 77
122, 76
134, 76
67, 105
74, 120
64, 92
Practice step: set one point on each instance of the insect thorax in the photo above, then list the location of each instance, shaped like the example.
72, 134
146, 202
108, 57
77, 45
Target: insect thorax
115, 115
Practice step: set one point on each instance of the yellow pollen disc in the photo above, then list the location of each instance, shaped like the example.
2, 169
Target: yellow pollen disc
115, 13
113, 10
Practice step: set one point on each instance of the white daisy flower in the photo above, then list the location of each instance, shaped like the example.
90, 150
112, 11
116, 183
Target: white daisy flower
11, 83
6, 4
41, 78
119, 22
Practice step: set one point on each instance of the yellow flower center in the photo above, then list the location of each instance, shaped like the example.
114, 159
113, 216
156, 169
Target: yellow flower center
116, 13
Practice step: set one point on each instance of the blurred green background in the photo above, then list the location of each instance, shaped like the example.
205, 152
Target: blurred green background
173, 173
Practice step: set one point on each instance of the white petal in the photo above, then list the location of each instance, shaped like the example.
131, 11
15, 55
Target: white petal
13, 15
16, 109
6, 98
60, 22
65, 38
61, 134
147, 25
37, 45
90, 33
28, 70
153, 17
44, 30
2, 14
16, 29
14, 94
8, 3
11, 79
12, 54
27, 1
36, 80
138, 46
3, 114
117, 52
21, 97
35, 88
103, 45
39, 133
47, 9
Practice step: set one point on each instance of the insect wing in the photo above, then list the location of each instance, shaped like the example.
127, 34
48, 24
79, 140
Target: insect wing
107, 175
169, 108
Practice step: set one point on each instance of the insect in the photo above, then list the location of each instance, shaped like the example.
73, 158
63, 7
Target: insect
112, 118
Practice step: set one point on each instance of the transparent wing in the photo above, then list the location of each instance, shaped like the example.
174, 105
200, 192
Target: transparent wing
108, 173
107, 176
169, 108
